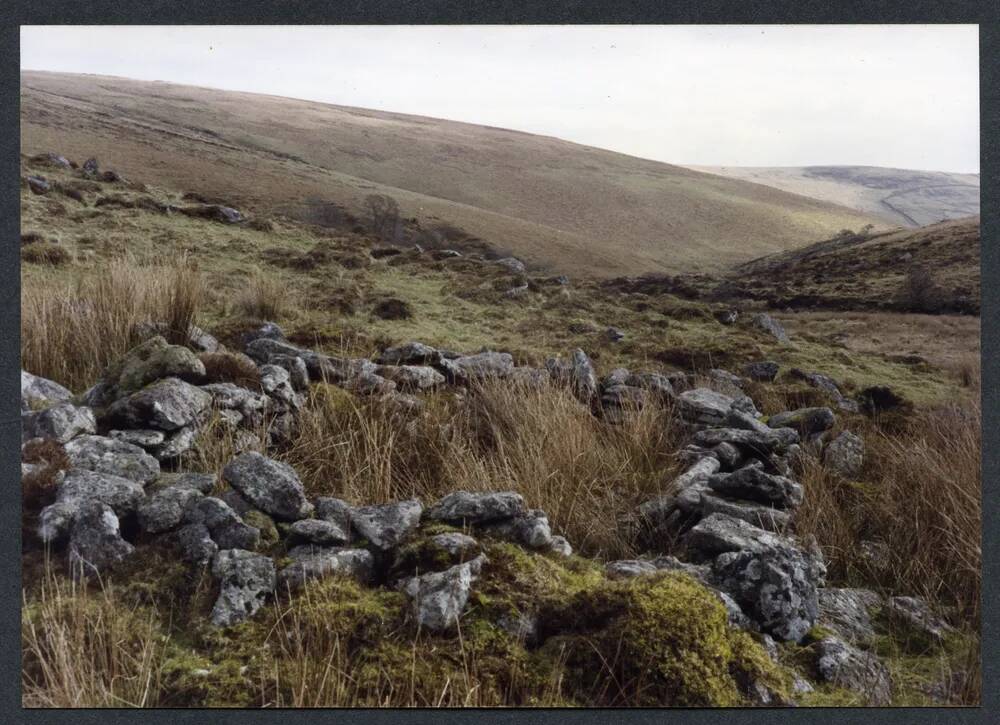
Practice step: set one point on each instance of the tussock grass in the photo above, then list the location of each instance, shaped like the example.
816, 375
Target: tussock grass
264, 298
920, 495
71, 331
585, 474
84, 647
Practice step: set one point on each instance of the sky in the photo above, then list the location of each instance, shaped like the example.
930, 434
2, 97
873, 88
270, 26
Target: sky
878, 95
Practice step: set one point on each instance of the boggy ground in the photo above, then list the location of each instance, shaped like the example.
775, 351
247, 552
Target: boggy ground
140, 636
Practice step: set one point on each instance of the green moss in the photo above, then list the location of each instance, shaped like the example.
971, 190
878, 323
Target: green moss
266, 525
660, 640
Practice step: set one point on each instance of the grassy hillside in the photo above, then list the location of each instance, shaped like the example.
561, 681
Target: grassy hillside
571, 208
99, 256
897, 196
931, 269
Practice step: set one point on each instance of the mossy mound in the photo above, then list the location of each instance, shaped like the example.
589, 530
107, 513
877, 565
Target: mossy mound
658, 641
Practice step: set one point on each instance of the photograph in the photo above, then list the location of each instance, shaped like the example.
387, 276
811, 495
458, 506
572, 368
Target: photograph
499, 366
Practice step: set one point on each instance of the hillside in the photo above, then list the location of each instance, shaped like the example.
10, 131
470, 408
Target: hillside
552, 485
931, 269
559, 205
896, 196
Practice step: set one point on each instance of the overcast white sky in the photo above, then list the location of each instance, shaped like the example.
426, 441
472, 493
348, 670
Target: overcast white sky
902, 96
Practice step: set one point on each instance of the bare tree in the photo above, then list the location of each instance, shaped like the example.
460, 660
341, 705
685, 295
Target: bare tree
384, 213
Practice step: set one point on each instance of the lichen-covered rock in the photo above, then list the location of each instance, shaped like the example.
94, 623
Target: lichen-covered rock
203, 482
322, 562
807, 421
530, 530
387, 525
439, 598
276, 382
153, 360
168, 405
317, 531
38, 392
513, 264
335, 510
845, 455
718, 533
776, 587
411, 353
762, 370
915, 617
246, 579
454, 543
95, 541
704, 406
560, 546
411, 377
368, 383
484, 365
853, 669
660, 386
113, 457
753, 484
465, 508
271, 486
80, 486
764, 322
756, 442
762, 516
848, 612
196, 544
298, 372
61, 423
230, 396
164, 510
225, 526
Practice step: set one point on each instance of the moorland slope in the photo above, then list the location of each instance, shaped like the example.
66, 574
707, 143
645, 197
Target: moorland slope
560, 205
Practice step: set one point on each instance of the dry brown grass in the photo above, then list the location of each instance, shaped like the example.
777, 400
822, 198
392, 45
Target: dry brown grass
586, 475
46, 253
920, 496
264, 298
85, 647
71, 331
230, 367
184, 298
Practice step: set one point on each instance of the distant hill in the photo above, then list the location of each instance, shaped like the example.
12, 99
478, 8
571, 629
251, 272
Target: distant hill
898, 196
559, 205
878, 272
